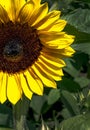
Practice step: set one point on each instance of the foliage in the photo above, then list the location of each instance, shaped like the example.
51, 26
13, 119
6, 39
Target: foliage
68, 107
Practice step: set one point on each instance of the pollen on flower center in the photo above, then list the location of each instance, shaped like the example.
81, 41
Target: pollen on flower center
19, 47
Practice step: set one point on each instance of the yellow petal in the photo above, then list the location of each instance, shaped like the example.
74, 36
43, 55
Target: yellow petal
39, 14
60, 53
52, 60
13, 90
26, 11
8, 5
56, 40
49, 72
33, 84
68, 51
36, 78
44, 78
1, 77
28, 93
16, 76
54, 27
53, 52
54, 66
12, 7
49, 19
57, 71
50, 36
18, 5
37, 2
3, 87
3, 15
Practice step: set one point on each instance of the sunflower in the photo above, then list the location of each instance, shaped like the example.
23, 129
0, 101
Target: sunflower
32, 47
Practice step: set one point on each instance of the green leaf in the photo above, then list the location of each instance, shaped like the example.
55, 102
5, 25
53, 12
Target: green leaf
65, 113
70, 123
31, 125
74, 65
88, 1
70, 102
53, 96
69, 85
70, 68
80, 122
4, 119
83, 47
54, 6
79, 18
48, 1
5, 116
80, 37
37, 103
87, 101
82, 81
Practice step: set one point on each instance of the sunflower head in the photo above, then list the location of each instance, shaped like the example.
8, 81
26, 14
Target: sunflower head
32, 45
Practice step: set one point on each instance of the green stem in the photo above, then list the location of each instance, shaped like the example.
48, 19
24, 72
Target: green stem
19, 114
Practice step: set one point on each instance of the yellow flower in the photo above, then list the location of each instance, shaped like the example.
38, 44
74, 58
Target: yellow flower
32, 45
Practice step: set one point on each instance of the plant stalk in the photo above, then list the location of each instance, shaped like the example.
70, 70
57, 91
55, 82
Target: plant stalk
19, 114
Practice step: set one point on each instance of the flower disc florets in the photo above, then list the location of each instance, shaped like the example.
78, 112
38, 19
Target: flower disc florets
19, 47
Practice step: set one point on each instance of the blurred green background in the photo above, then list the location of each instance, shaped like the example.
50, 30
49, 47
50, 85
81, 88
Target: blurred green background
68, 107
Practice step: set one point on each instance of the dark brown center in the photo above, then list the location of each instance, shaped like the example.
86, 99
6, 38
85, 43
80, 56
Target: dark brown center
13, 50
19, 47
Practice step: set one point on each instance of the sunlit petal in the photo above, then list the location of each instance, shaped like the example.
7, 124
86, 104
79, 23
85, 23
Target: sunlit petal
3, 87
12, 86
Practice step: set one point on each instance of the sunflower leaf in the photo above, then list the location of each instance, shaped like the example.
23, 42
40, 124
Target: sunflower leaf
82, 23
80, 122
5, 116
53, 96
37, 101
82, 47
74, 64
66, 84
82, 81
70, 102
